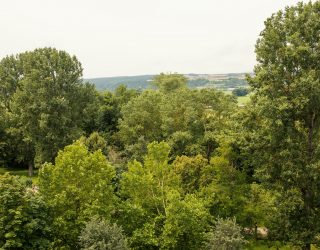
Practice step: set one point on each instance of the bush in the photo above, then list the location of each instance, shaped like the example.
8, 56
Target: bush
226, 236
101, 235
24, 217
240, 91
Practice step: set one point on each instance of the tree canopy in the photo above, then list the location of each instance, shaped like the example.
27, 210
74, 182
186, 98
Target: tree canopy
286, 89
46, 100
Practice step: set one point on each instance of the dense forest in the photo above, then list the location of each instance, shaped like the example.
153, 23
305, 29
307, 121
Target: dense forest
169, 167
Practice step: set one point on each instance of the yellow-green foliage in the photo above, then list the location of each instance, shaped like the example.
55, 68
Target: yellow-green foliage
77, 187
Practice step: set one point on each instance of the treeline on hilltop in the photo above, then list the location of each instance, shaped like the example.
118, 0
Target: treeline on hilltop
165, 168
142, 82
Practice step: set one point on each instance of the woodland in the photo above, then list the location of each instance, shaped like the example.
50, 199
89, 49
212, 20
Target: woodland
170, 167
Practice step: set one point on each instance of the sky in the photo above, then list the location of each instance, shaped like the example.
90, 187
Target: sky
135, 37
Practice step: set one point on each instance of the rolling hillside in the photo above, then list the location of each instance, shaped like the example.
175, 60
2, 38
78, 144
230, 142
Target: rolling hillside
219, 81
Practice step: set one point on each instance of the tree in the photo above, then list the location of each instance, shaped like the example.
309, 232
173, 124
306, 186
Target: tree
191, 121
286, 89
94, 142
146, 188
76, 188
47, 101
110, 108
189, 169
169, 82
240, 91
182, 126
100, 234
149, 184
186, 222
140, 117
24, 216
155, 213
223, 186
225, 236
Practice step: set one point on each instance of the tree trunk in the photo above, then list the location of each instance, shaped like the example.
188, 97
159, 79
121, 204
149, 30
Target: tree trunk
30, 169
307, 246
256, 231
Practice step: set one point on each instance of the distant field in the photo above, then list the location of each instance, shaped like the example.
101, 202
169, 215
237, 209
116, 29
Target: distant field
242, 100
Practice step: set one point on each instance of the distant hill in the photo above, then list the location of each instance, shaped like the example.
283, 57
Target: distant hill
220, 81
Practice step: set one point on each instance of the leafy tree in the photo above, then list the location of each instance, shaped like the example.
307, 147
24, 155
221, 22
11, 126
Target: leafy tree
149, 184
10, 71
240, 91
286, 90
181, 114
47, 102
24, 217
146, 189
76, 188
155, 214
224, 186
99, 234
226, 236
140, 117
169, 82
94, 142
189, 169
191, 121
186, 222
217, 120
110, 108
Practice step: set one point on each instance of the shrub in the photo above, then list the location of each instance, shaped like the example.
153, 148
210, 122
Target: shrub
99, 234
225, 236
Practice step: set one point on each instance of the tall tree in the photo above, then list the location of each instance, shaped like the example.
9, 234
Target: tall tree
140, 117
286, 89
155, 213
169, 82
47, 101
76, 188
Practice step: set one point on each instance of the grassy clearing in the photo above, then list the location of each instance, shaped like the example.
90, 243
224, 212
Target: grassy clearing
20, 172
242, 100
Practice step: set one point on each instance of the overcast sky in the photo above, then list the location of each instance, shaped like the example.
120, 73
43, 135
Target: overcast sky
132, 37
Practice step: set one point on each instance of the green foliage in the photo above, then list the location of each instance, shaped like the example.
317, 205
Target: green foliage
190, 121
240, 91
139, 83
223, 185
169, 82
76, 188
258, 164
110, 106
94, 143
286, 97
141, 116
24, 217
158, 214
199, 82
186, 222
225, 236
149, 184
189, 169
46, 102
99, 234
